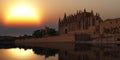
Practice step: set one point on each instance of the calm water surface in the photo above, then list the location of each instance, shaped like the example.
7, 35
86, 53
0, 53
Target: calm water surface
21, 54
78, 51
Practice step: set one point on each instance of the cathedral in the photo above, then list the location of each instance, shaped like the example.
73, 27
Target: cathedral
80, 22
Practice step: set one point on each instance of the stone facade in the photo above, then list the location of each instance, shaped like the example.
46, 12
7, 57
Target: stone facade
110, 26
82, 22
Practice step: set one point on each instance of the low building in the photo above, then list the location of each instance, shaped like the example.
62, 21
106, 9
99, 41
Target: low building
110, 26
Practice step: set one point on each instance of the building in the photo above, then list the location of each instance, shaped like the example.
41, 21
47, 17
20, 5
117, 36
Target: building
87, 26
110, 26
82, 22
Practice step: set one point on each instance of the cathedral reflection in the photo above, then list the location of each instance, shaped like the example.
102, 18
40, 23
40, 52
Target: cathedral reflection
84, 52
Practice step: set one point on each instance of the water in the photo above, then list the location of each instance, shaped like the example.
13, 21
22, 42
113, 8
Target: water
21, 54
78, 51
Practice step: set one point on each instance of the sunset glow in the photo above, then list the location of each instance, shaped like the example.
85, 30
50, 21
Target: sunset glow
20, 53
25, 16
22, 15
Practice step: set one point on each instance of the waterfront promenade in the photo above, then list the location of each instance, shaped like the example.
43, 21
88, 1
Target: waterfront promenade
56, 42
63, 41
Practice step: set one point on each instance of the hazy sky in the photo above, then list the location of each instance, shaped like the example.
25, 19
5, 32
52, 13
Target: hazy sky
51, 10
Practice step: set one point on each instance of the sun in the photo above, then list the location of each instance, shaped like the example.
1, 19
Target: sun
22, 15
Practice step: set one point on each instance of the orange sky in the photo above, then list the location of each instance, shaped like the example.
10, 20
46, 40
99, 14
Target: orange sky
48, 11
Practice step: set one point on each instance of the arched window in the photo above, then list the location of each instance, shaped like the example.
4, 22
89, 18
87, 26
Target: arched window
66, 31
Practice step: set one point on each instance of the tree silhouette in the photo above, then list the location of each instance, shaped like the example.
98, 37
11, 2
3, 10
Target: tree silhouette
44, 32
38, 33
52, 32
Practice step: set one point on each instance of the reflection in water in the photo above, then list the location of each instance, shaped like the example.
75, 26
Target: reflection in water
84, 52
21, 54
78, 52
92, 52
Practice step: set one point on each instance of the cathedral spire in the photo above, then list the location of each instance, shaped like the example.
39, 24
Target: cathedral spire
84, 10
59, 19
92, 12
65, 16
99, 15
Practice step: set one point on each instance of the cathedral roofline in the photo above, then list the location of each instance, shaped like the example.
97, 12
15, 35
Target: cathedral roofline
80, 13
